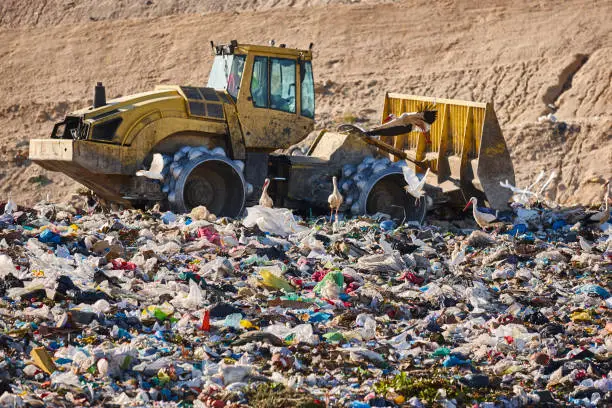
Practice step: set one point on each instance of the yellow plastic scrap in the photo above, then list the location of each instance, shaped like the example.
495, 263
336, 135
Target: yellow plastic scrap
270, 279
245, 324
163, 377
582, 316
42, 360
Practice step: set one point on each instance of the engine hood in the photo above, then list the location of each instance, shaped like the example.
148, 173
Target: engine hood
120, 116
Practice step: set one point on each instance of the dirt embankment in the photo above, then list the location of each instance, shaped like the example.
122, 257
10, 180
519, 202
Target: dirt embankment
529, 58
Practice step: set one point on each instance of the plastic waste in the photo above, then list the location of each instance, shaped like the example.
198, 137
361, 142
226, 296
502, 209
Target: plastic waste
169, 217
279, 221
65, 379
136, 308
49, 237
594, 289
6, 266
274, 281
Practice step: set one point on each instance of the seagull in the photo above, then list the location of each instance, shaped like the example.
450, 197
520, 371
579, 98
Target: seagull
335, 199
265, 200
414, 186
10, 206
154, 172
482, 219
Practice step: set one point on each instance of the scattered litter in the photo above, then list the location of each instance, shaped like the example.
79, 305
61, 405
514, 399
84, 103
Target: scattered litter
147, 308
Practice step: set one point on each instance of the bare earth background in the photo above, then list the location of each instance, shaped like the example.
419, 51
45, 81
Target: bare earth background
522, 54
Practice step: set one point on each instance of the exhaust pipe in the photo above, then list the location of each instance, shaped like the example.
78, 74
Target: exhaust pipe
99, 95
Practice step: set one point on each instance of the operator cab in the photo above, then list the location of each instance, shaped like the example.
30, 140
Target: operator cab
273, 89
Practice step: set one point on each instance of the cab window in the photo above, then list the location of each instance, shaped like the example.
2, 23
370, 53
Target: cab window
259, 82
235, 76
282, 84
307, 105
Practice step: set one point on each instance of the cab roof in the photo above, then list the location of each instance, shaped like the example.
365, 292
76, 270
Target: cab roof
235, 48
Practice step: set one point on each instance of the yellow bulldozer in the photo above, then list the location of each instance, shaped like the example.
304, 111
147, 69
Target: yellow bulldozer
217, 144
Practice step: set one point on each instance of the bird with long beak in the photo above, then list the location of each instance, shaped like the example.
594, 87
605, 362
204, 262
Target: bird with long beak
483, 219
10, 206
414, 185
602, 216
265, 200
405, 123
335, 199
155, 170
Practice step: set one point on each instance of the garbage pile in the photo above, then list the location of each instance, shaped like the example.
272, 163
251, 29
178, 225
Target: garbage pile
138, 308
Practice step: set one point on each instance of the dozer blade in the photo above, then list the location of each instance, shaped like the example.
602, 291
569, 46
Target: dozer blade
466, 153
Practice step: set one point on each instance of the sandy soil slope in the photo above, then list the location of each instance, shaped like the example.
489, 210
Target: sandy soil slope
525, 56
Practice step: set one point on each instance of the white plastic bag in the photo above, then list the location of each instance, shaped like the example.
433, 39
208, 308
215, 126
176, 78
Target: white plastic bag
6, 266
279, 221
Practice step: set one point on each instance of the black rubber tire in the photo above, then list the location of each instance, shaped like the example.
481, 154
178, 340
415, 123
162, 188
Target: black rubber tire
385, 193
212, 181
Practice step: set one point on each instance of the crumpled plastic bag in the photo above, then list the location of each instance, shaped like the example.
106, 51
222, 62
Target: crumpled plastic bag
193, 300
65, 379
331, 285
6, 266
302, 333
11, 400
279, 221
382, 263
277, 282
593, 289
235, 373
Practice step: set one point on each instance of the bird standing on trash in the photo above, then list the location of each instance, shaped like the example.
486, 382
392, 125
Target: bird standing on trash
265, 200
482, 219
603, 216
10, 206
335, 199
90, 203
414, 186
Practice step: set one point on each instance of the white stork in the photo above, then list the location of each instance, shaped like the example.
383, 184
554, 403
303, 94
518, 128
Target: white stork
335, 199
414, 186
482, 219
405, 123
154, 172
602, 216
265, 200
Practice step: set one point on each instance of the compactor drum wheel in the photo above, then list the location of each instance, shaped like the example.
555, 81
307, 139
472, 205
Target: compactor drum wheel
384, 192
212, 181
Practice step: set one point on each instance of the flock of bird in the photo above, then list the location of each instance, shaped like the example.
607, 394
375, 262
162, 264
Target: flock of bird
414, 186
523, 196
393, 126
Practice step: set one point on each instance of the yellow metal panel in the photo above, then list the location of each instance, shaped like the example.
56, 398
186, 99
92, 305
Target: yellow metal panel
464, 137
235, 132
453, 116
273, 51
